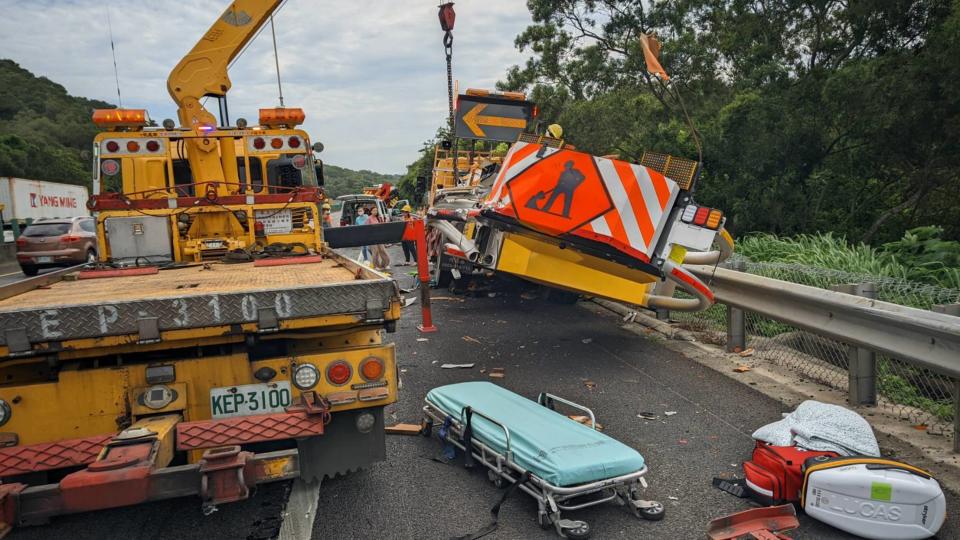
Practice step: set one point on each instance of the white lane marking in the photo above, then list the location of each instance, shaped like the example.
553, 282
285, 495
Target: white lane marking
11, 274
301, 511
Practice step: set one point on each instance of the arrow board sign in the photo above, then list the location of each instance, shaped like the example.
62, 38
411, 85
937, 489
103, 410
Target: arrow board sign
491, 118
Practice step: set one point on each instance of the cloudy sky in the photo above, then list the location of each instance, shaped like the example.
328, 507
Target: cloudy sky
370, 74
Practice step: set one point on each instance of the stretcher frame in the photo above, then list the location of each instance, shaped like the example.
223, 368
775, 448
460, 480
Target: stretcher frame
551, 499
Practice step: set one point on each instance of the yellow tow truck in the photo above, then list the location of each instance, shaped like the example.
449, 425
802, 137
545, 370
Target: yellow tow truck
219, 342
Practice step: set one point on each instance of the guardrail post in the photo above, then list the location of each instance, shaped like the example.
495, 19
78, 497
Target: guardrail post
862, 363
664, 288
736, 330
953, 309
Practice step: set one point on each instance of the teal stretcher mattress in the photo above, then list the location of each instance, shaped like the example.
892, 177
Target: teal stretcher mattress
560, 450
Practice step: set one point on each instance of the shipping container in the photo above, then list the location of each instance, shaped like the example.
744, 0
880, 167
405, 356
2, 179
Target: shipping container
26, 200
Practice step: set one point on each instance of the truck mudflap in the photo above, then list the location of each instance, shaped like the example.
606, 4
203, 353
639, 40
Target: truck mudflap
129, 467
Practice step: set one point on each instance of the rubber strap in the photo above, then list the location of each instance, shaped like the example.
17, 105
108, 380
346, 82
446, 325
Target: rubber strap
467, 438
495, 511
734, 487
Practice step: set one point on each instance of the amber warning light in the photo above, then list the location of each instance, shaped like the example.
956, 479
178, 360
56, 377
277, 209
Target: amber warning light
281, 117
120, 117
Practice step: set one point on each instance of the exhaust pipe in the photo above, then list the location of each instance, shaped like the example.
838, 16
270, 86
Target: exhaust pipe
725, 242
677, 276
453, 235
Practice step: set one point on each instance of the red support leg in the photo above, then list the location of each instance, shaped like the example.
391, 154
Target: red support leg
423, 274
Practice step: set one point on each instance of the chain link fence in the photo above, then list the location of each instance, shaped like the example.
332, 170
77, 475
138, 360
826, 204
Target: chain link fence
918, 395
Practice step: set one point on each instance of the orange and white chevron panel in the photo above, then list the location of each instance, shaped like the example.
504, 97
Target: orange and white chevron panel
566, 192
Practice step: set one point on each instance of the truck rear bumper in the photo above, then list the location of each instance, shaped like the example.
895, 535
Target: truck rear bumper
130, 467
199, 435
223, 475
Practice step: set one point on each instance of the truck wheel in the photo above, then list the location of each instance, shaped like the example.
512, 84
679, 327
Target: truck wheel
29, 269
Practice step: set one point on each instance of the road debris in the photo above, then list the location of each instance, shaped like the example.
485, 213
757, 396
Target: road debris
498, 373
423, 339
457, 366
742, 368
647, 416
585, 420
471, 339
447, 298
407, 302
586, 341
669, 413
746, 352
403, 429
672, 498
528, 296
590, 384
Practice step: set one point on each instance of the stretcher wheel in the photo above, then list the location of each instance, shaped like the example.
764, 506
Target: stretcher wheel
653, 513
495, 478
576, 530
544, 521
426, 427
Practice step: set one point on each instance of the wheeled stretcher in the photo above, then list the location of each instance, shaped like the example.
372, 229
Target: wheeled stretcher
563, 464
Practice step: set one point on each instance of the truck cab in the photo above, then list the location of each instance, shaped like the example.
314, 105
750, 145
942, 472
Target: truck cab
152, 206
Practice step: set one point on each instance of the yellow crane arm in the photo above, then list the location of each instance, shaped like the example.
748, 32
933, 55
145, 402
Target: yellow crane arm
203, 71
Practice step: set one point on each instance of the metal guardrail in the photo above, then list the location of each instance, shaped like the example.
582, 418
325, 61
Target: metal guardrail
851, 315
929, 339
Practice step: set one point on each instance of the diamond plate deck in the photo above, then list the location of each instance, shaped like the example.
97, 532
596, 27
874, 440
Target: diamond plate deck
193, 297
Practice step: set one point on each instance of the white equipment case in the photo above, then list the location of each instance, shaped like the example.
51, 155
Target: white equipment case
873, 497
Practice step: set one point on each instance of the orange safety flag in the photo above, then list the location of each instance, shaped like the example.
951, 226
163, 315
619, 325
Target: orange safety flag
651, 53
565, 192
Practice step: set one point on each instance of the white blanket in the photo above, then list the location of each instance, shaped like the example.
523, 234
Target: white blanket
821, 426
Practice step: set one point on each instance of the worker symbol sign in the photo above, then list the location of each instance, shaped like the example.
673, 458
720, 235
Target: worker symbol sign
559, 193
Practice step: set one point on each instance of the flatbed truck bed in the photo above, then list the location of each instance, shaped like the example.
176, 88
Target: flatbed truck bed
216, 299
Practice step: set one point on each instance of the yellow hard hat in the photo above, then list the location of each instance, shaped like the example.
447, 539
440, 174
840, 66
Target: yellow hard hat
555, 131
406, 208
326, 206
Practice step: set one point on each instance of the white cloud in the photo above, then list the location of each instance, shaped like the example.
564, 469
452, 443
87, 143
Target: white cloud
370, 74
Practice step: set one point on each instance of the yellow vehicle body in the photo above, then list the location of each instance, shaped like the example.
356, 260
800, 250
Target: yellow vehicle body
544, 262
104, 400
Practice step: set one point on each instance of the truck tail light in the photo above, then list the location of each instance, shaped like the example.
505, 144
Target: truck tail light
294, 142
259, 143
69, 238
713, 220
153, 146
113, 146
339, 372
700, 218
133, 146
276, 143
371, 369
21, 242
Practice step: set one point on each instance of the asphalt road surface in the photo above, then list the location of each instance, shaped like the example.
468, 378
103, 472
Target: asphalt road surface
542, 347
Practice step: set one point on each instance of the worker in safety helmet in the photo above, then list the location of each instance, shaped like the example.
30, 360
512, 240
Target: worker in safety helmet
327, 221
555, 131
409, 246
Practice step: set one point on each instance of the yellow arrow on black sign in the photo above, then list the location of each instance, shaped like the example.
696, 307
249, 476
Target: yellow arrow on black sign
474, 120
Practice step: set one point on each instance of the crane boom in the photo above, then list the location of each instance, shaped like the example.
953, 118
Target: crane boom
203, 71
